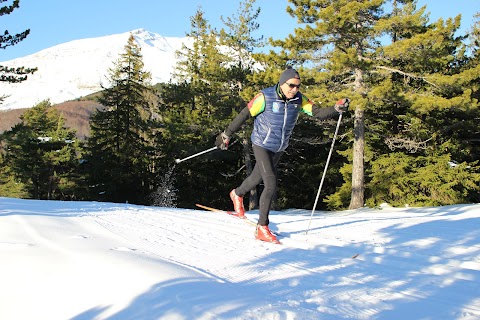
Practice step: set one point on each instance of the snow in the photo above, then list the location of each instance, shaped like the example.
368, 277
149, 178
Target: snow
91, 260
78, 68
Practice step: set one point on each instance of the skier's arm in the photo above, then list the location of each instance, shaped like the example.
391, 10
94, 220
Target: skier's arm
324, 113
223, 139
238, 121
253, 108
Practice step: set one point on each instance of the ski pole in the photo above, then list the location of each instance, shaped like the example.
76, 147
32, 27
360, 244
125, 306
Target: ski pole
324, 171
202, 152
195, 155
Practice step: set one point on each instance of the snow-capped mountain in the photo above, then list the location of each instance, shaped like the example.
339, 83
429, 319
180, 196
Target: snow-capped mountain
78, 68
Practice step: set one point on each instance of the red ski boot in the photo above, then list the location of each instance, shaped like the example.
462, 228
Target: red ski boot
237, 204
263, 233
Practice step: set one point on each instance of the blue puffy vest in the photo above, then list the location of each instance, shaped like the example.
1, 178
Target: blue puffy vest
273, 127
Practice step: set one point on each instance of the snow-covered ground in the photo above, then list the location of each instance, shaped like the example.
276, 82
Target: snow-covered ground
89, 260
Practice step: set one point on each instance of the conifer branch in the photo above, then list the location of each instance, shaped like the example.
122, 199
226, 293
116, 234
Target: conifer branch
411, 145
407, 74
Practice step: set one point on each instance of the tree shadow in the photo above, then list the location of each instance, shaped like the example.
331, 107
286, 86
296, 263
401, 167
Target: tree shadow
194, 298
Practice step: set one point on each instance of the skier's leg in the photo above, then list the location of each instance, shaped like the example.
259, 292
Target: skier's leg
265, 169
266, 162
251, 181
248, 184
270, 187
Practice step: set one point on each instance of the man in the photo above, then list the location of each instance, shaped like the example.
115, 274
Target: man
275, 110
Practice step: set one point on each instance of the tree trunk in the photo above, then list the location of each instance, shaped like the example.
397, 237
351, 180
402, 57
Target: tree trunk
358, 188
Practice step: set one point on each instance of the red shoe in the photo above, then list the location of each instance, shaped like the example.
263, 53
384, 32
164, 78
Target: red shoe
263, 233
237, 204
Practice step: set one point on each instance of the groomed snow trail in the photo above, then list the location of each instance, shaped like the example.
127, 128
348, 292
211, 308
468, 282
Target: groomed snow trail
84, 260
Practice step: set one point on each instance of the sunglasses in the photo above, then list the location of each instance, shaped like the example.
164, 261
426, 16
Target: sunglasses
291, 85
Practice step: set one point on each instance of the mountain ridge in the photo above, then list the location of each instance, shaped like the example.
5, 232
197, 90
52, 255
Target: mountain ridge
78, 68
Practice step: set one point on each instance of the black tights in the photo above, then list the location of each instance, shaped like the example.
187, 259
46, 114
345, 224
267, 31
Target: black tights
265, 170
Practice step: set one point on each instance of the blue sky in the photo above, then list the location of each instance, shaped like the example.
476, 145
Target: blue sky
54, 22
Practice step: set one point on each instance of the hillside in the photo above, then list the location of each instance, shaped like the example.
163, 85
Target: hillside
76, 113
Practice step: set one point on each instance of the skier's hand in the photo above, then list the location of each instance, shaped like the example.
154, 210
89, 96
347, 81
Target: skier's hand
342, 105
222, 141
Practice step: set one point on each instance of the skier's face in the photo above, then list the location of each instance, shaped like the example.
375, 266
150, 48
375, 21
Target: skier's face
290, 87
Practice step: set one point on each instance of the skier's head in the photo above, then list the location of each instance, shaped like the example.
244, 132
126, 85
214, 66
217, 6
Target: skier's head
289, 82
288, 74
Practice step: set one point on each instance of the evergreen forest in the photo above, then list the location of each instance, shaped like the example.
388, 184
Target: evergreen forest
411, 135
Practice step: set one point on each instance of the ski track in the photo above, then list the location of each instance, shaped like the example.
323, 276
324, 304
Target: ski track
310, 258
387, 272
186, 234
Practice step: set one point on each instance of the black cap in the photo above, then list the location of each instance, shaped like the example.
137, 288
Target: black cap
289, 73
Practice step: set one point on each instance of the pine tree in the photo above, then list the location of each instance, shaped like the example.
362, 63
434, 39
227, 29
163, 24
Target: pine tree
119, 144
336, 39
401, 179
238, 38
202, 67
426, 105
402, 91
11, 74
210, 83
43, 154
241, 44
194, 109
10, 186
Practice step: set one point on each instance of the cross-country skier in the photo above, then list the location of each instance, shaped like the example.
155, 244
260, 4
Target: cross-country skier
275, 111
